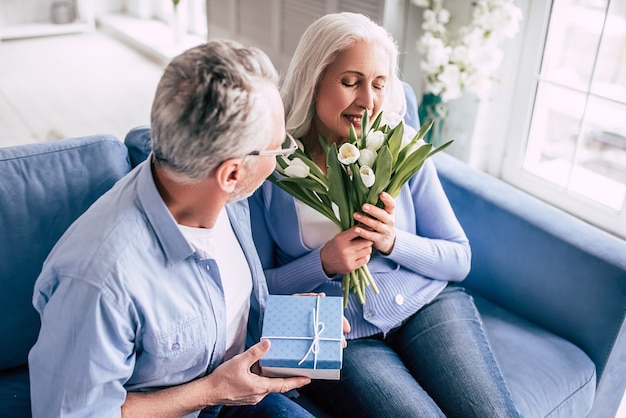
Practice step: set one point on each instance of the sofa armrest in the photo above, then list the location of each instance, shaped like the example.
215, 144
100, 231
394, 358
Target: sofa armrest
547, 266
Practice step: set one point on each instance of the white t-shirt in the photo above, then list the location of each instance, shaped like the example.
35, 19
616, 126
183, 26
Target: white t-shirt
221, 244
316, 229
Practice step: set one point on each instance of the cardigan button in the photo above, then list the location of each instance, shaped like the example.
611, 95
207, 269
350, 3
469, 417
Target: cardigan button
399, 299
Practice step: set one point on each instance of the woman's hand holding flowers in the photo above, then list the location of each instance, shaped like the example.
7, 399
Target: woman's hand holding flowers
345, 252
379, 226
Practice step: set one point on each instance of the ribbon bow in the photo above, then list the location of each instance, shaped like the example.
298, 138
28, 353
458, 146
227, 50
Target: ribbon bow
318, 328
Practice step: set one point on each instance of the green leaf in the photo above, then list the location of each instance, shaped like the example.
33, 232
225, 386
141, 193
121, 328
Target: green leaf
440, 148
376, 124
353, 138
407, 168
360, 190
281, 162
405, 150
306, 183
326, 200
419, 135
364, 128
395, 141
424, 129
351, 198
323, 143
382, 170
336, 187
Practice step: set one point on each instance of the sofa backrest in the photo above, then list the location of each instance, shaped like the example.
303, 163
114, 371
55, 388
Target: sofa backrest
43, 189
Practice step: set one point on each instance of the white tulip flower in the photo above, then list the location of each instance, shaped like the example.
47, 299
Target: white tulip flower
374, 140
348, 154
367, 176
297, 168
368, 157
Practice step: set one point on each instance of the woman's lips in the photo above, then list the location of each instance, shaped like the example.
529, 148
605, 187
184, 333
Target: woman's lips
354, 119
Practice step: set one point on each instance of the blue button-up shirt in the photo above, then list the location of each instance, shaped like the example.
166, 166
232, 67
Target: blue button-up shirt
127, 305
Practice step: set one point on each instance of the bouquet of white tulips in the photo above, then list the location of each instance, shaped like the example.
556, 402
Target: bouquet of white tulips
377, 161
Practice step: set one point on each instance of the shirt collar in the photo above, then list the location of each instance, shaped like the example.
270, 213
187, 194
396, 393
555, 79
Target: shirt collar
172, 241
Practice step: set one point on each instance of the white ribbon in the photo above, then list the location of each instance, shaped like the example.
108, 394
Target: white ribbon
318, 328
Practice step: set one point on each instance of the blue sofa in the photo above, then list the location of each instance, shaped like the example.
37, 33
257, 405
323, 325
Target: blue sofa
551, 289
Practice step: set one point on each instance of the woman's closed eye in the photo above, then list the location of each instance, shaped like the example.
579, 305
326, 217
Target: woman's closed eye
375, 86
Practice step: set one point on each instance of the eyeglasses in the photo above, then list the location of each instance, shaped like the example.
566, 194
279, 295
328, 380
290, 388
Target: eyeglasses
288, 147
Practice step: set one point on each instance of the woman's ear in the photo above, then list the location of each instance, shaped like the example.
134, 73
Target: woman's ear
228, 174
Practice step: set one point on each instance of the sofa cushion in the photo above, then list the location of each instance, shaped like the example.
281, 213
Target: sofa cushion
43, 189
548, 376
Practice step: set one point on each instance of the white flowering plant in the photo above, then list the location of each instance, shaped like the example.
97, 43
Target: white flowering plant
452, 65
380, 158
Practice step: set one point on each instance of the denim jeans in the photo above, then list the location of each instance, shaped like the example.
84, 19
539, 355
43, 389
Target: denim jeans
437, 363
274, 405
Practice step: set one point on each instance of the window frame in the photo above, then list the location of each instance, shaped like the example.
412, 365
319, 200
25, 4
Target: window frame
512, 169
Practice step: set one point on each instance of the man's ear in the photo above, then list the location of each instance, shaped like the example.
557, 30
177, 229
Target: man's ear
228, 174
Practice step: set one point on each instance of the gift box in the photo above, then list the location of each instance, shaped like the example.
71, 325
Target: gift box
306, 335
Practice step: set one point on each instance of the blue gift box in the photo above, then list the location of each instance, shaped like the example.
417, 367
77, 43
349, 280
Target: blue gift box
306, 335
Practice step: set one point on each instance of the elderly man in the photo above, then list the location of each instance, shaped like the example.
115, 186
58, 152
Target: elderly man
150, 299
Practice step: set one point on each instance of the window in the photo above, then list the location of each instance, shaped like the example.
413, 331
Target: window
192, 13
571, 110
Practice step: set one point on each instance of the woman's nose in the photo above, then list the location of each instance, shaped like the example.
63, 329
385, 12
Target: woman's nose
365, 98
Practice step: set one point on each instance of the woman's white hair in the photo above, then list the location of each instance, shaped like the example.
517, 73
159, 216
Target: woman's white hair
323, 40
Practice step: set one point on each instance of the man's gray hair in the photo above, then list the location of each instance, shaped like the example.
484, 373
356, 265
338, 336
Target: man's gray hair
208, 108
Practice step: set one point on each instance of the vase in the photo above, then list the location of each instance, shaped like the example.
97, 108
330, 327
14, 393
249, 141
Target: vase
435, 109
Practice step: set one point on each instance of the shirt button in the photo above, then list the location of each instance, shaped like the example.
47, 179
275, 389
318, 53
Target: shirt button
208, 267
368, 314
175, 347
399, 299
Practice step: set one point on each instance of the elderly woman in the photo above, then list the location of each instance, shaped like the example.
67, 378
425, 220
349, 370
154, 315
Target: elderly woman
418, 348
